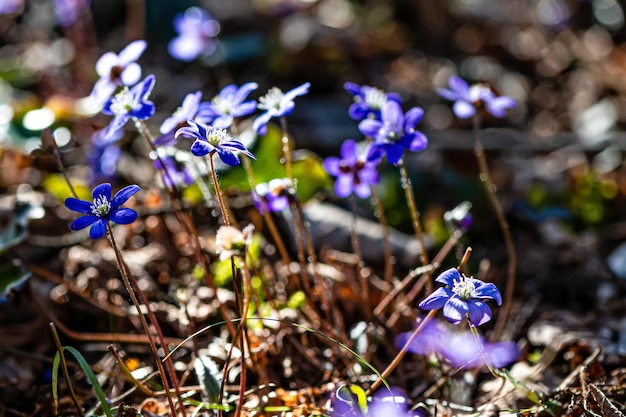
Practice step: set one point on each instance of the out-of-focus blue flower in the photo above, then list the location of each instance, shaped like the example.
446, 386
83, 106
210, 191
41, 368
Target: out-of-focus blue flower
129, 103
275, 195
228, 104
11, 6
188, 110
469, 99
196, 32
210, 140
103, 209
460, 349
394, 133
277, 104
177, 172
103, 156
354, 174
459, 218
350, 401
462, 297
368, 101
67, 11
118, 70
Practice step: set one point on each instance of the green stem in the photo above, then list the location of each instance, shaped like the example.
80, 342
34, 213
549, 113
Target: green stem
490, 188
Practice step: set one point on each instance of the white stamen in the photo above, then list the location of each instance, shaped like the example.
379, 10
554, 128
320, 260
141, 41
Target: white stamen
123, 102
272, 99
217, 136
224, 104
464, 288
375, 98
101, 206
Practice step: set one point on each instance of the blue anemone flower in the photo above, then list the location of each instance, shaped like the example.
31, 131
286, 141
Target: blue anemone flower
103, 209
463, 296
277, 104
129, 103
228, 104
187, 110
469, 99
368, 101
210, 140
354, 174
275, 196
196, 35
394, 133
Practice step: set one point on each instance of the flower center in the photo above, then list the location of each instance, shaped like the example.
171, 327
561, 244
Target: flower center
224, 104
464, 288
101, 206
123, 102
116, 73
216, 136
272, 99
375, 98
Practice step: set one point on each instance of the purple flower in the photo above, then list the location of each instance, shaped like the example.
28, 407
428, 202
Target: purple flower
350, 401
129, 103
67, 11
275, 195
459, 218
468, 99
103, 155
196, 32
394, 133
460, 349
177, 172
118, 70
368, 101
103, 209
11, 6
228, 104
188, 110
210, 140
277, 104
463, 296
354, 174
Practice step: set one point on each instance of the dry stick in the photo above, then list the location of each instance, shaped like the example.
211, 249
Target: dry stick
402, 352
417, 288
504, 226
410, 198
443, 252
129, 374
66, 374
365, 292
379, 212
144, 323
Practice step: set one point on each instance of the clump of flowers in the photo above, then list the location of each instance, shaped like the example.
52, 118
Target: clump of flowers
368, 101
103, 209
130, 103
394, 133
210, 140
462, 297
277, 104
228, 104
118, 70
187, 110
196, 34
355, 175
470, 99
